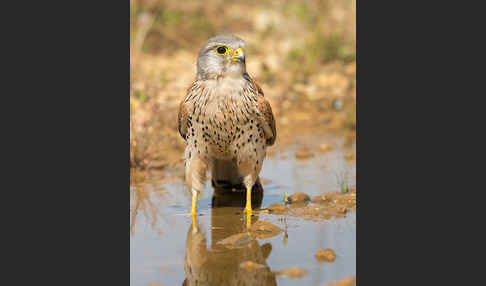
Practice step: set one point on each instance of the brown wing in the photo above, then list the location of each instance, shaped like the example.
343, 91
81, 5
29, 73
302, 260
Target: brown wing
182, 116
267, 119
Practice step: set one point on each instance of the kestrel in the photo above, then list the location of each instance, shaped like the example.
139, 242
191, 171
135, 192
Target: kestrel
225, 120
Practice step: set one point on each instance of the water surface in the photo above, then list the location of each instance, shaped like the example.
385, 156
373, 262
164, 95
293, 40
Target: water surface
168, 248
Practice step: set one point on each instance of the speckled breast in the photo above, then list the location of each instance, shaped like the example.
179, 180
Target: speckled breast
227, 129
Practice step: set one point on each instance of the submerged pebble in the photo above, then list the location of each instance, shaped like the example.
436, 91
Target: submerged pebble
292, 272
303, 154
310, 212
237, 240
346, 281
263, 229
325, 255
325, 147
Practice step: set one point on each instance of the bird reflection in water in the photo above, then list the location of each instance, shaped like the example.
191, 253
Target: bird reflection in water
216, 264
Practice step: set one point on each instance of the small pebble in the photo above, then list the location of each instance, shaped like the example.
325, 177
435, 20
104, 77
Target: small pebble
319, 199
299, 197
292, 272
349, 156
263, 229
303, 154
325, 255
236, 241
325, 147
341, 210
346, 281
338, 104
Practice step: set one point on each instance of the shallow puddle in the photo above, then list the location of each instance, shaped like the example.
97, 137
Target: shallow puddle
168, 248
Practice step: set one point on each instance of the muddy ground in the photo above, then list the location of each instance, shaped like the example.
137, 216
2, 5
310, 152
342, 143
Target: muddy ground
302, 54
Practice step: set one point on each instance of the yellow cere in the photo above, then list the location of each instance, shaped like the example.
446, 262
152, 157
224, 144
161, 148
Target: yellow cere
237, 52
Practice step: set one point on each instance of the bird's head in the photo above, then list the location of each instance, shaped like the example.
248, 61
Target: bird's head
221, 56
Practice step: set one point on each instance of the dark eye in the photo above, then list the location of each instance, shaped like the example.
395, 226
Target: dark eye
222, 50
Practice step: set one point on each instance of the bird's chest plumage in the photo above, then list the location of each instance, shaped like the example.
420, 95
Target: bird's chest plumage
225, 125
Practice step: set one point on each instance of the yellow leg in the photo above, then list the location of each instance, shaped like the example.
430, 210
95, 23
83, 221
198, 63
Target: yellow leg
194, 200
248, 208
248, 201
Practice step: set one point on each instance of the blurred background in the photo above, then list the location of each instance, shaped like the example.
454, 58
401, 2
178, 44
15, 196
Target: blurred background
302, 54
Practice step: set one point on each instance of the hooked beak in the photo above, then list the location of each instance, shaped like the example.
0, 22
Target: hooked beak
238, 55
